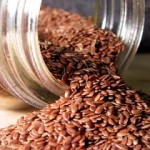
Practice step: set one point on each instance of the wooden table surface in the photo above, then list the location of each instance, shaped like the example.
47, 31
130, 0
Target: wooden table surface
137, 76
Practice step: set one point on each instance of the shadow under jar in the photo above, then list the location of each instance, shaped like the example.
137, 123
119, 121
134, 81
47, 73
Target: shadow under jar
22, 69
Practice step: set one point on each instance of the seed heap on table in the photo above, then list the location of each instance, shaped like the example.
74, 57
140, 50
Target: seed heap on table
98, 111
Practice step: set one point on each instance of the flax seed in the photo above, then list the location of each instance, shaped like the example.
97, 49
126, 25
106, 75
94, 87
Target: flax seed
129, 142
121, 146
76, 139
89, 84
137, 147
123, 132
97, 97
105, 133
145, 126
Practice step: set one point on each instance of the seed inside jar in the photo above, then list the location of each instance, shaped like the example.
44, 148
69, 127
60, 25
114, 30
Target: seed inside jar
99, 111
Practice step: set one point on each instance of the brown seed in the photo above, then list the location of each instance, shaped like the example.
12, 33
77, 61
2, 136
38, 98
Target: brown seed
131, 136
110, 129
121, 118
138, 147
52, 116
55, 111
72, 132
89, 102
87, 90
39, 139
76, 139
90, 94
135, 142
60, 139
92, 108
124, 140
54, 106
99, 110
15, 146
89, 84
129, 107
15, 136
67, 93
50, 129
105, 145
67, 140
133, 120
68, 124
110, 92
65, 147
110, 111
47, 147
74, 145
25, 147
123, 132
89, 124
104, 93
117, 128
111, 121
78, 101
121, 146
40, 143
85, 93
141, 133
74, 108
52, 143
126, 114
77, 124
132, 127
74, 85
85, 119
105, 133
66, 116
136, 112
34, 132
48, 123
97, 97
41, 130
145, 105
63, 133
86, 77
136, 133
145, 126
146, 136
129, 142
125, 122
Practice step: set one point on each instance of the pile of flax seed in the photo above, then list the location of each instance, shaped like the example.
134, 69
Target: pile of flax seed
99, 111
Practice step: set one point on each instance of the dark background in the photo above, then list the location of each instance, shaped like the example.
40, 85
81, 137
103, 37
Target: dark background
145, 43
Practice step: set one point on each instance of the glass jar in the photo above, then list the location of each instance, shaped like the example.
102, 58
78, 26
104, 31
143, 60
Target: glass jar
22, 69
